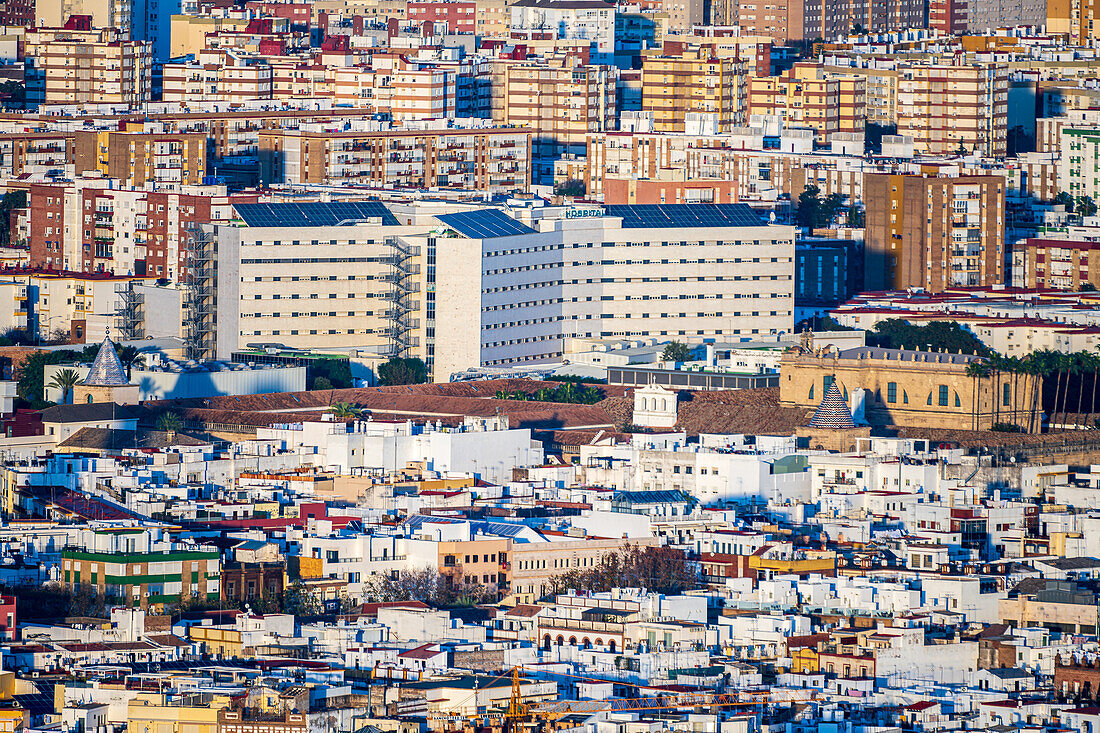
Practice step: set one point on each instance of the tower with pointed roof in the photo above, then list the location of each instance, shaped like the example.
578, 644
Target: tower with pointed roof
106, 381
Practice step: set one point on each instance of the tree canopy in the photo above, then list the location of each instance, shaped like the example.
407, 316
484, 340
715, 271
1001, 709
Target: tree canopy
402, 371
659, 569
676, 351
896, 333
815, 211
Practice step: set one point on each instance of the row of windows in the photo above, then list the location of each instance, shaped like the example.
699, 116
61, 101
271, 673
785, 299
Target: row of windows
312, 332
315, 242
303, 314
309, 260
582, 245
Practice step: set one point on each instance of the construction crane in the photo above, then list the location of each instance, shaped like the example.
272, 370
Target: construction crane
659, 699
519, 711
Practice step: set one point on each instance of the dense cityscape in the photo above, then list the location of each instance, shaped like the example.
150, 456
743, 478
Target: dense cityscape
549, 366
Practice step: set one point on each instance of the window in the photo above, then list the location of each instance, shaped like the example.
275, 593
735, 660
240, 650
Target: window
943, 395
1006, 395
892, 392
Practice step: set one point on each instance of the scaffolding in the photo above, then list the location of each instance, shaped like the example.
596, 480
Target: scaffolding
201, 300
402, 277
130, 315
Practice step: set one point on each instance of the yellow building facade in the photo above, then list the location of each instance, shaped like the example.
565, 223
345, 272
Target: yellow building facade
904, 388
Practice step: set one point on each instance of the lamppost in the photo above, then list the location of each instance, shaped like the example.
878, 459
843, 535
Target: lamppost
38, 329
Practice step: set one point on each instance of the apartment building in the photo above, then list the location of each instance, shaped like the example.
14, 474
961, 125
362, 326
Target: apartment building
87, 225
693, 83
933, 232
1079, 162
880, 90
118, 14
736, 164
390, 84
188, 32
952, 109
809, 96
561, 103
165, 160
217, 75
488, 158
791, 21
45, 154
141, 569
457, 17
948, 16
1058, 264
75, 64
983, 16
591, 21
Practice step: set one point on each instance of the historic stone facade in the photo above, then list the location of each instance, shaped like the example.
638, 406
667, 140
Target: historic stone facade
906, 388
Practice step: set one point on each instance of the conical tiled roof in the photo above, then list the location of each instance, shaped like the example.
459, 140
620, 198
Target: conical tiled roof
833, 412
107, 369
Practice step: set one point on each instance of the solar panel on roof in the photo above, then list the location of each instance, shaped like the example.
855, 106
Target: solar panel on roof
314, 213
637, 216
484, 224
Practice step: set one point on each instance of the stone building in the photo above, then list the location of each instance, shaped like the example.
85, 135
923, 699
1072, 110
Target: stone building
106, 381
907, 388
1076, 679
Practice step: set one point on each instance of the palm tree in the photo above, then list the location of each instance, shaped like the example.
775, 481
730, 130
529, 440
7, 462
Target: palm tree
1016, 366
976, 370
590, 395
1094, 362
1069, 367
996, 365
130, 358
1081, 365
344, 410
1033, 363
64, 380
169, 422
568, 392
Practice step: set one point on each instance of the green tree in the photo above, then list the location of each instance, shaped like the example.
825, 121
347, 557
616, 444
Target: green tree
808, 211
300, 601
336, 371
169, 422
402, 371
570, 187
344, 410
320, 384
676, 351
1085, 206
13, 94
8, 203
856, 217
896, 333
1064, 199
1091, 363
978, 370
130, 358
64, 380
31, 374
